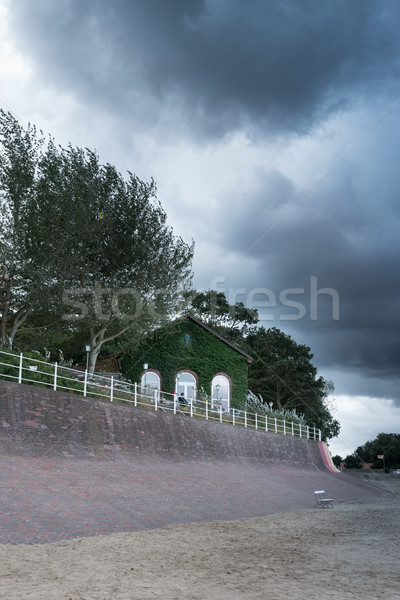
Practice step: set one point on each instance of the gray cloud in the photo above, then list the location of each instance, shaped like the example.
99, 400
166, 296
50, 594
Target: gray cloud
214, 66
277, 69
344, 234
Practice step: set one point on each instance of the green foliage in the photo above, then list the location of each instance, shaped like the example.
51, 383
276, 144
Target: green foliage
386, 444
318, 414
257, 405
169, 351
42, 376
128, 274
37, 371
352, 462
337, 460
282, 373
19, 151
82, 249
232, 321
365, 452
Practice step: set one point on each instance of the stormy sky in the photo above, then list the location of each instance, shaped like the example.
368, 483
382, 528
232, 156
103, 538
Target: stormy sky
272, 131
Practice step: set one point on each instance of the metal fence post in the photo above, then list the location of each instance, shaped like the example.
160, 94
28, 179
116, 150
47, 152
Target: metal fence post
276, 426
112, 389
284, 427
155, 399
300, 430
292, 429
220, 413
206, 410
245, 418
175, 403
191, 406
233, 416
135, 394
55, 377
308, 432
20, 368
256, 422
315, 436
85, 384
266, 422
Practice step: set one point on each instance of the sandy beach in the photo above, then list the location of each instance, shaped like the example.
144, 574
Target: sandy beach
350, 551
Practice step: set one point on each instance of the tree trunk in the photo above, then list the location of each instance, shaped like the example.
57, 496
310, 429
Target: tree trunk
19, 320
96, 341
93, 354
4, 313
278, 397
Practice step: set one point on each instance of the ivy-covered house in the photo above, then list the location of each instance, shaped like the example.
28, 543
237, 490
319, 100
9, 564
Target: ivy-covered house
190, 358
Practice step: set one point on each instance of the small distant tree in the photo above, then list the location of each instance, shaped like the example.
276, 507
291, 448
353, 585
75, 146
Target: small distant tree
386, 444
352, 462
365, 452
337, 460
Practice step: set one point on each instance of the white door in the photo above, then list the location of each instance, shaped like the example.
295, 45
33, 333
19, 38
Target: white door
186, 384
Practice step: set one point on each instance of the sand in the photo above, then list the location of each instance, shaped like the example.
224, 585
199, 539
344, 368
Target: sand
349, 552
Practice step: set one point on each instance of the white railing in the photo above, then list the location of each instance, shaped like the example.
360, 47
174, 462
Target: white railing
33, 371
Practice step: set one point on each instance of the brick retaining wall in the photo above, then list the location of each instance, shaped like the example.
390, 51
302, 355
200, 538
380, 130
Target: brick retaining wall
35, 420
75, 467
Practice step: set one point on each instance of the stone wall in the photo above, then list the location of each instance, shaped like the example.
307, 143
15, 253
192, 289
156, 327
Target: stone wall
37, 421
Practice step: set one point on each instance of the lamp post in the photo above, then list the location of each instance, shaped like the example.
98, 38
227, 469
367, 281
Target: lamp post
145, 367
217, 387
382, 457
87, 356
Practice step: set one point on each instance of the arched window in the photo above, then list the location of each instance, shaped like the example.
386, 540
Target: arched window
186, 384
150, 381
221, 391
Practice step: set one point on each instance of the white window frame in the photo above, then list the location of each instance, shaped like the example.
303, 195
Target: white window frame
146, 383
223, 394
184, 386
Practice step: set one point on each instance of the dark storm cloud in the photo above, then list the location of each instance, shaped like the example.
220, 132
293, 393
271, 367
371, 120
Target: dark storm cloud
272, 68
269, 66
345, 236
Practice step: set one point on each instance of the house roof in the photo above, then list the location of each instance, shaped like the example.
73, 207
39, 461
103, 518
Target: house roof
222, 339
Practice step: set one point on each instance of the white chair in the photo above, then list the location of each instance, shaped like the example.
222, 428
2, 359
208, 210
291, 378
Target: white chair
321, 501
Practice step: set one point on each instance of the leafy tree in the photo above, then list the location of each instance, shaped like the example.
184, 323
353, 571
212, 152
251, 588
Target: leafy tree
337, 460
80, 245
352, 462
34, 237
283, 374
126, 267
232, 321
386, 444
318, 413
365, 453
19, 154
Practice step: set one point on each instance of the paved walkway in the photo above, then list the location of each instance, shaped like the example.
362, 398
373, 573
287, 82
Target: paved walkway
50, 499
